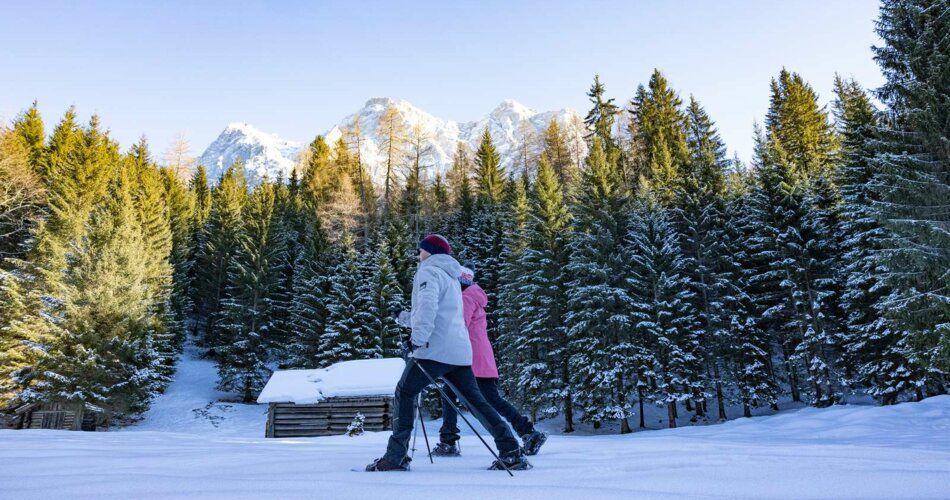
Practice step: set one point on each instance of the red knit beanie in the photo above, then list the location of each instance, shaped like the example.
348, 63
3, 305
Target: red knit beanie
435, 244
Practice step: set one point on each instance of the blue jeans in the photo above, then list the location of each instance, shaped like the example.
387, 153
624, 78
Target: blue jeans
449, 433
413, 381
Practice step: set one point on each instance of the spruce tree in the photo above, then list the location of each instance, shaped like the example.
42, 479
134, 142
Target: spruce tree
743, 346
913, 177
700, 222
100, 352
343, 339
601, 117
597, 322
181, 215
794, 278
29, 126
661, 132
246, 316
538, 342
663, 313
802, 127
876, 347
308, 310
489, 177
221, 235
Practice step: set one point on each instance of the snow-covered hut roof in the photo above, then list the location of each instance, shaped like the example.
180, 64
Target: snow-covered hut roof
363, 377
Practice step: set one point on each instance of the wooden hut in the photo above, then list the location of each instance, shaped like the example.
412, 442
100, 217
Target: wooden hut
324, 402
61, 416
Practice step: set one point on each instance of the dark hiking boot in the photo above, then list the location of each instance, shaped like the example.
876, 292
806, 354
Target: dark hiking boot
446, 450
513, 460
383, 465
532, 442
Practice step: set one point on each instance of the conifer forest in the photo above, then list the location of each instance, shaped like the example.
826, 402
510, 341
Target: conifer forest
653, 271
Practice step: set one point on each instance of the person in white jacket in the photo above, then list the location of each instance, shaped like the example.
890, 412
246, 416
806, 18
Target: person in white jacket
440, 344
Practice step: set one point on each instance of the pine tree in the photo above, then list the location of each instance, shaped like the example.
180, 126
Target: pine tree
414, 193
153, 218
744, 346
29, 126
538, 341
875, 345
663, 313
802, 127
700, 222
484, 239
661, 131
913, 179
598, 326
80, 164
246, 318
14, 353
463, 199
489, 177
202, 194
507, 309
379, 296
101, 353
794, 278
600, 119
181, 216
220, 242
343, 338
308, 311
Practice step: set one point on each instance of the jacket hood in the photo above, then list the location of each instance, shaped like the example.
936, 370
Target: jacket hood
475, 292
444, 262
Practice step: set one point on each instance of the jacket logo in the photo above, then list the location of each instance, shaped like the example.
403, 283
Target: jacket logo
422, 286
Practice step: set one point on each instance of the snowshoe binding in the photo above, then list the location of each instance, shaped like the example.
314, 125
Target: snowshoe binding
532, 442
383, 465
446, 450
513, 460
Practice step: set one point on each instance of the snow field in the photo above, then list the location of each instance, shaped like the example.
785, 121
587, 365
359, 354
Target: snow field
192, 445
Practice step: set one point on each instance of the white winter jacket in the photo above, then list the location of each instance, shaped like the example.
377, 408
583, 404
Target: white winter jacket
438, 326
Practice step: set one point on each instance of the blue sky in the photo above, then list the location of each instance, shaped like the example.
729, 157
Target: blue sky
297, 68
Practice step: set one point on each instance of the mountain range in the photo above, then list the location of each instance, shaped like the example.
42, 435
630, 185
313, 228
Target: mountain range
267, 155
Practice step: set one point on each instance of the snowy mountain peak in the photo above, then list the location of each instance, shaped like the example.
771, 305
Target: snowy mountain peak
511, 107
264, 155
510, 125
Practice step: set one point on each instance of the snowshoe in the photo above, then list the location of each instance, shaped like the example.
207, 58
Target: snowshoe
533, 442
446, 450
383, 465
513, 460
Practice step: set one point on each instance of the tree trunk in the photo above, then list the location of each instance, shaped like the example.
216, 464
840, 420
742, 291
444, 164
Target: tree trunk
625, 426
568, 414
792, 375
671, 414
568, 401
640, 402
746, 410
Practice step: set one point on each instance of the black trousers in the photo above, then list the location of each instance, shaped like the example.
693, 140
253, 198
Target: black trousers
449, 433
413, 381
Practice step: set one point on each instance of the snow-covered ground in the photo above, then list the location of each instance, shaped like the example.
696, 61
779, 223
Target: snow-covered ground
190, 446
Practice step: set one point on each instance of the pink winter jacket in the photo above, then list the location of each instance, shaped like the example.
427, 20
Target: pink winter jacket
474, 301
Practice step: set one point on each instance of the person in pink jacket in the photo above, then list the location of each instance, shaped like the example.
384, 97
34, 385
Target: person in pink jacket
474, 301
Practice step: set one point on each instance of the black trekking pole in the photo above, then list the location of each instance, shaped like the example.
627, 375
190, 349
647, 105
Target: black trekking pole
459, 410
424, 435
405, 357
